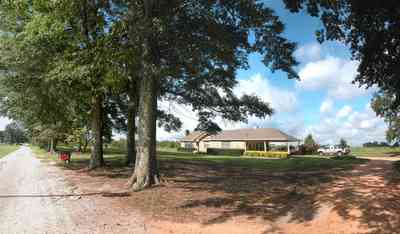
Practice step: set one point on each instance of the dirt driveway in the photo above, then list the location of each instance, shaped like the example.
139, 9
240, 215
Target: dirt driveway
34, 198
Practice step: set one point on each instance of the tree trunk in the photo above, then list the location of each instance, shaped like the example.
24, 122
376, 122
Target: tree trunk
86, 139
51, 145
146, 171
55, 143
96, 158
131, 144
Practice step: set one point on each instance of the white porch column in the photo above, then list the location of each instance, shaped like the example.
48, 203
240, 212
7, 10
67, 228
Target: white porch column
265, 146
288, 147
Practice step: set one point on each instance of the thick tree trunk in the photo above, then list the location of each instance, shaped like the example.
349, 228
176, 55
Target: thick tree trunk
96, 158
55, 143
146, 171
86, 139
80, 147
131, 143
51, 145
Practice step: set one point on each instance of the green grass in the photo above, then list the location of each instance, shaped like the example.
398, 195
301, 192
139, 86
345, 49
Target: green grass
376, 151
6, 149
166, 156
113, 159
294, 163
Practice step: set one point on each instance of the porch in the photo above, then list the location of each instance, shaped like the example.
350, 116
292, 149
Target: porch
288, 146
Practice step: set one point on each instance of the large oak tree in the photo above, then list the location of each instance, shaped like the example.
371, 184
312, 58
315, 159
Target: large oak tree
190, 52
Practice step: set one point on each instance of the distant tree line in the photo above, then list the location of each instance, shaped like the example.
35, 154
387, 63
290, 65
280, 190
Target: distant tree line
13, 133
379, 144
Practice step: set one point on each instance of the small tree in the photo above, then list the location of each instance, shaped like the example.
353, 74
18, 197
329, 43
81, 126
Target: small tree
343, 143
310, 146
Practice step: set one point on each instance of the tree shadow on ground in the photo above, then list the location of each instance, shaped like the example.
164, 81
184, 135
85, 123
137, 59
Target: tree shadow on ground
370, 194
250, 193
115, 167
374, 191
212, 193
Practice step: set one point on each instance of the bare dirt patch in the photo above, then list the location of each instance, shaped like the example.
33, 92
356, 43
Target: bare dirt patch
199, 198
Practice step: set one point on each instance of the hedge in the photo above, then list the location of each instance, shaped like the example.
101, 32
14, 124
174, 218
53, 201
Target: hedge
345, 157
229, 152
181, 149
267, 154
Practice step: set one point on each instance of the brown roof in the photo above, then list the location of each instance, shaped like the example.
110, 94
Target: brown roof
194, 136
265, 134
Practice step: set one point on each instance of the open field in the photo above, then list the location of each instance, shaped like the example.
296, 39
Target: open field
376, 151
6, 149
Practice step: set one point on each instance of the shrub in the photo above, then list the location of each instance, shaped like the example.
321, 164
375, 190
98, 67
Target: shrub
181, 149
230, 152
307, 149
309, 146
268, 154
168, 144
346, 157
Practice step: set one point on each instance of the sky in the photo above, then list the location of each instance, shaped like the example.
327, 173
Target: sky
323, 102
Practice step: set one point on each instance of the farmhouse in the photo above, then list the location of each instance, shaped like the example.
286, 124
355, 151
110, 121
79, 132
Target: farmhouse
258, 139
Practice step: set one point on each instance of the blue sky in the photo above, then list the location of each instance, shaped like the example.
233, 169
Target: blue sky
323, 103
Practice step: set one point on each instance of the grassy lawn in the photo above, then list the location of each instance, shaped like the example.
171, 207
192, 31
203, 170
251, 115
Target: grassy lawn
6, 149
294, 163
375, 151
171, 156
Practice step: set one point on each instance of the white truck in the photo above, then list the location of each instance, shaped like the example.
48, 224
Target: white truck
333, 150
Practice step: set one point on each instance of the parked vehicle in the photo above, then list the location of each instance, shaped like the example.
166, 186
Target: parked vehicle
333, 150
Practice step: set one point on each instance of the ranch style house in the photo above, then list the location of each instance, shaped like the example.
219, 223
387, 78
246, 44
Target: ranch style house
247, 139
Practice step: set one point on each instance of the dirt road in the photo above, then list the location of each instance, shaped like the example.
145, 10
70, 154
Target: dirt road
34, 199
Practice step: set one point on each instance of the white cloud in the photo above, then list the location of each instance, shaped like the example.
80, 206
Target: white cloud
281, 100
345, 111
308, 52
357, 127
326, 106
333, 75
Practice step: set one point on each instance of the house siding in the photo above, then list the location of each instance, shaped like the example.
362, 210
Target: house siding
189, 145
203, 145
232, 144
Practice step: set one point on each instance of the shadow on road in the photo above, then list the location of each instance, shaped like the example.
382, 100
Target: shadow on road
104, 194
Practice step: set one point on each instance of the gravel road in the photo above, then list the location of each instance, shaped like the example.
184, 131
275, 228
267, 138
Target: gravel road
35, 199
26, 201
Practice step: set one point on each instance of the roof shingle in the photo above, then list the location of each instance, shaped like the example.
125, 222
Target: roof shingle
265, 134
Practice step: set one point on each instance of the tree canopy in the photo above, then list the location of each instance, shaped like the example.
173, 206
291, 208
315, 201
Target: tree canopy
384, 104
370, 29
74, 70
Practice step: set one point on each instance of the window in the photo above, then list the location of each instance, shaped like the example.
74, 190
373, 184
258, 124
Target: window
225, 145
188, 145
259, 146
